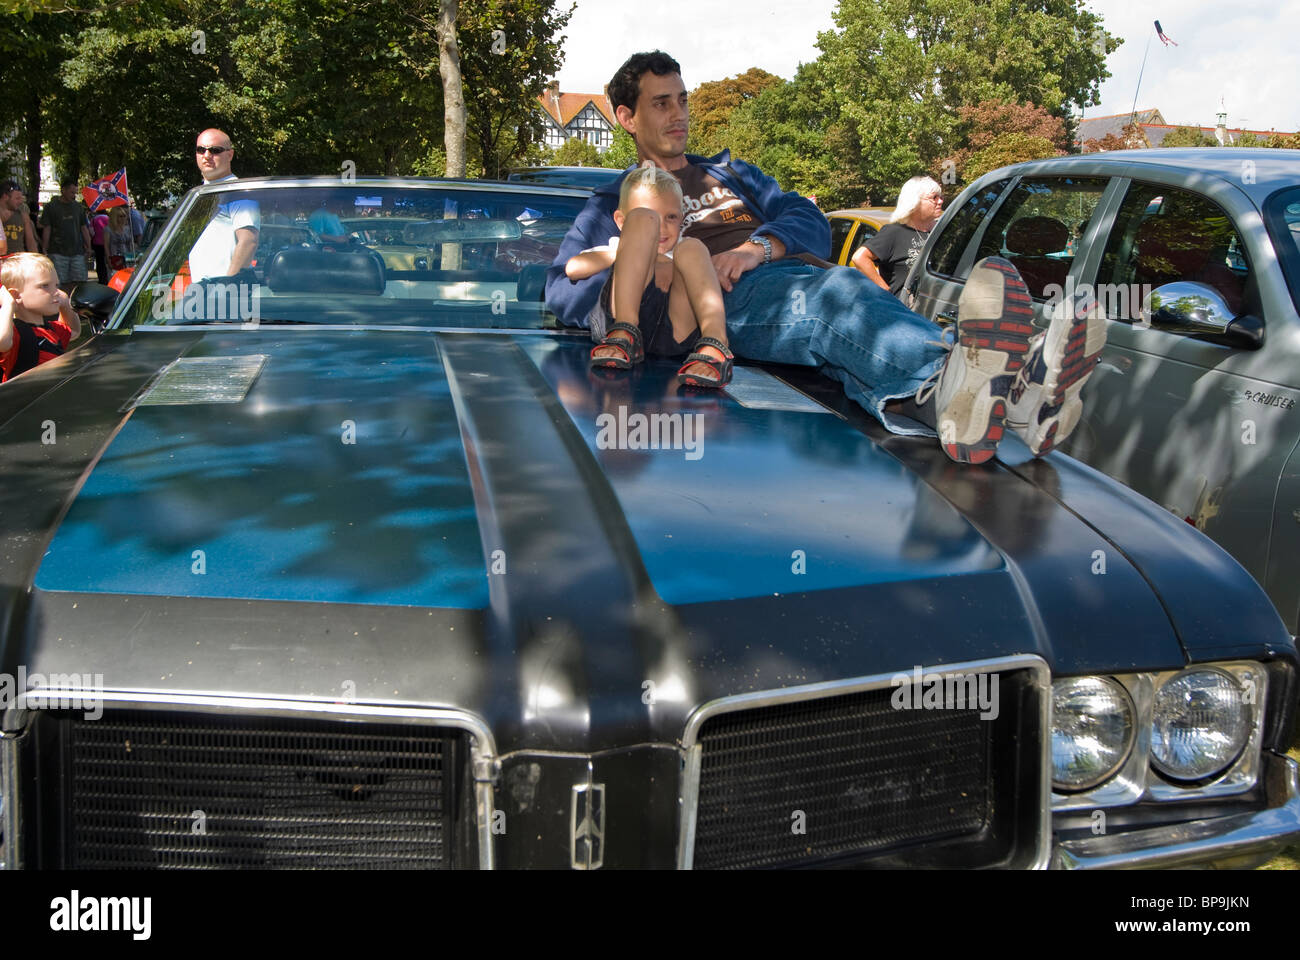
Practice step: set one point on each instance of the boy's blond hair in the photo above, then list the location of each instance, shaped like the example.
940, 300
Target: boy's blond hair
652, 178
20, 269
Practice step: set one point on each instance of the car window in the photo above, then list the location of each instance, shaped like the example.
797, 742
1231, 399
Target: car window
1282, 217
840, 229
865, 232
411, 255
1162, 235
1038, 228
953, 240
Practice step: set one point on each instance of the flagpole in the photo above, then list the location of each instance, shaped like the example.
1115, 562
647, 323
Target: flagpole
1133, 112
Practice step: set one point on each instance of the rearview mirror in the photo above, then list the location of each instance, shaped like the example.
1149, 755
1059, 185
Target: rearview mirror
1199, 311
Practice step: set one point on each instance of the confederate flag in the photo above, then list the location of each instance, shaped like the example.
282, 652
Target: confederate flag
107, 192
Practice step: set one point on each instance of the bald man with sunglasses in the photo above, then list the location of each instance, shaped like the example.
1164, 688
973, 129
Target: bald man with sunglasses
229, 242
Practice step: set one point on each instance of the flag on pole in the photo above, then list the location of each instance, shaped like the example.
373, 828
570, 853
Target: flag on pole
107, 192
1164, 39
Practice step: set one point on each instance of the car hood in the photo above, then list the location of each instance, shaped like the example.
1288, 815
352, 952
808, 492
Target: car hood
478, 521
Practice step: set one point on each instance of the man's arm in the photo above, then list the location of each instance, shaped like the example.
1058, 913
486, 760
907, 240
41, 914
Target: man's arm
30, 237
45, 237
571, 300
85, 238
245, 250
789, 218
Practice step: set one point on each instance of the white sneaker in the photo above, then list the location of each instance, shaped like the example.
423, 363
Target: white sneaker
994, 325
1043, 404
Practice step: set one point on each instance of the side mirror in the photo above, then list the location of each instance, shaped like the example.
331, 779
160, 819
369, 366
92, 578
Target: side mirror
93, 302
1199, 311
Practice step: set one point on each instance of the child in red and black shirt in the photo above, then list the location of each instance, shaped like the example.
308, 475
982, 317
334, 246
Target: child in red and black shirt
29, 292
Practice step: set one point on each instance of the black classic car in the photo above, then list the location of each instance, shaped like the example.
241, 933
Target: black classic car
350, 560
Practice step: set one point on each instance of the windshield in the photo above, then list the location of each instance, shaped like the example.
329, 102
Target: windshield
436, 255
1282, 215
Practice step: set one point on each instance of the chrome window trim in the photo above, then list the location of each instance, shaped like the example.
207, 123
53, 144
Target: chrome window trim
689, 791
482, 744
10, 803
1137, 780
317, 328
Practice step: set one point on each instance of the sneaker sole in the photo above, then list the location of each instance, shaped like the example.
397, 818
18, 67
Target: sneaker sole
1062, 402
993, 350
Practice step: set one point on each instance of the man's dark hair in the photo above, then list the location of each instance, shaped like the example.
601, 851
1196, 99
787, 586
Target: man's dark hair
625, 87
67, 182
9, 186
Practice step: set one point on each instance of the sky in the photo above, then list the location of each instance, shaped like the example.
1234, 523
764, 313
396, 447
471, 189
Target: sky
1244, 51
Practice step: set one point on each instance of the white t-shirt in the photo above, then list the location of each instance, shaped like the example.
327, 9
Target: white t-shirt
211, 253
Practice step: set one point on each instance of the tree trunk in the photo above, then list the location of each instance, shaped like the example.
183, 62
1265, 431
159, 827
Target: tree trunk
34, 133
453, 95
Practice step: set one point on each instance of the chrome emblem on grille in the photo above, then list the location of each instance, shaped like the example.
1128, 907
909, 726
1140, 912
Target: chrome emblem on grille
587, 826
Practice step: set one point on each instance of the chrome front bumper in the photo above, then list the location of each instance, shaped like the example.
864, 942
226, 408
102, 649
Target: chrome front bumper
1237, 840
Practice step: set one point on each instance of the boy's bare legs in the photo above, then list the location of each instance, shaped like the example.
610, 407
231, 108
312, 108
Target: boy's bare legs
634, 268
695, 301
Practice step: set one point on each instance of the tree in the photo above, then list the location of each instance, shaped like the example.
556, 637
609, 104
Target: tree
1188, 137
713, 101
576, 152
453, 97
1006, 149
882, 101
1130, 138
1282, 141
621, 153
1018, 128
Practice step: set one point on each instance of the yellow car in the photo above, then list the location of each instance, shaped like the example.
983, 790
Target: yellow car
850, 229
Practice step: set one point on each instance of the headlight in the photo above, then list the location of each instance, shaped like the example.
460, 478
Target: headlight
1092, 731
1200, 726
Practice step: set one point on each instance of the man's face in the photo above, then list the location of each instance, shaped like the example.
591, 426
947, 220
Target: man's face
69, 192
13, 200
662, 120
213, 166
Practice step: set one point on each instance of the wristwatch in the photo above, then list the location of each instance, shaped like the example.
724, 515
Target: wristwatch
763, 242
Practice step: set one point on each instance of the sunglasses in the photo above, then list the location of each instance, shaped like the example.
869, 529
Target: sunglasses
215, 151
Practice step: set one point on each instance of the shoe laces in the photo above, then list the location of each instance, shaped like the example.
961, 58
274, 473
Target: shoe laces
926, 390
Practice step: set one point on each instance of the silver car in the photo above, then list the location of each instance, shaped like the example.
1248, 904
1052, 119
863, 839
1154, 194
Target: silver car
1195, 256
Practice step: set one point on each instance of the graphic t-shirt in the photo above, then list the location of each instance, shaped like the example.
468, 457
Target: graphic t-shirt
15, 232
897, 246
714, 215
65, 218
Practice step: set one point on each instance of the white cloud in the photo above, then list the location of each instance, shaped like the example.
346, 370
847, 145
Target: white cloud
1243, 51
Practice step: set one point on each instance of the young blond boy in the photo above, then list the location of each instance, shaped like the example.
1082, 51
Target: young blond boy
29, 292
662, 296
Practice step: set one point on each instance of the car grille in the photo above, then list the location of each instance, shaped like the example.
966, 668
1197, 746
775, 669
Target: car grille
149, 789
815, 780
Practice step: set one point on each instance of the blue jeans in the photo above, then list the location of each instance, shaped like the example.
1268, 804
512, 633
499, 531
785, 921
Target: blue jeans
840, 322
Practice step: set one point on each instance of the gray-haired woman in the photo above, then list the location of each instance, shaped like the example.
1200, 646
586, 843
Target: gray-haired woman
888, 256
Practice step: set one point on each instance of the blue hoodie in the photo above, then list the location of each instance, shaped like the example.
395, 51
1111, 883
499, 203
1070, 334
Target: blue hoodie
792, 219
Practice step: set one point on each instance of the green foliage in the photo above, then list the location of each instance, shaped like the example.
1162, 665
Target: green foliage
621, 153
1007, 148
883, 100
576, 152
302, 86
713, 102
1188, 137
1282, 141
